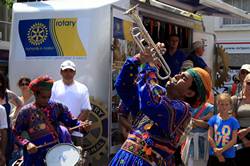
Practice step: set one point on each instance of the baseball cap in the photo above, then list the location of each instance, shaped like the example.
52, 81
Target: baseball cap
198, 44
68, 65
187, 64
245, 67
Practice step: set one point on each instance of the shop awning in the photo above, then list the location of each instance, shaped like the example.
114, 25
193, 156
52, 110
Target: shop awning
208, 7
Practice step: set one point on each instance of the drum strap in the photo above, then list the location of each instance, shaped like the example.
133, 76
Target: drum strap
50, 126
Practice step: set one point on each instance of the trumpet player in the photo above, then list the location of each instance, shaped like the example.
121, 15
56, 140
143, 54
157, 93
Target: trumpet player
161, 120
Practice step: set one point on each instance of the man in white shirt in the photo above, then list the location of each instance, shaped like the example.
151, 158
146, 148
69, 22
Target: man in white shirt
3, 134
72, 93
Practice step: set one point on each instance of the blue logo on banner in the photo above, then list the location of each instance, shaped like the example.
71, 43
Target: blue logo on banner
51, 37
36, 38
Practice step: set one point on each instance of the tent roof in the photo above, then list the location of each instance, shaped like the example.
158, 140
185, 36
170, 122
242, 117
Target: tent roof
207, 7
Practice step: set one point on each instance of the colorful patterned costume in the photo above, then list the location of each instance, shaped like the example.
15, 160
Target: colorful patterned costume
159, 122
41, 126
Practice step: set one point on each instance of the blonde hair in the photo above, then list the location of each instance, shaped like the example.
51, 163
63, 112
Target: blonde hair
224, 97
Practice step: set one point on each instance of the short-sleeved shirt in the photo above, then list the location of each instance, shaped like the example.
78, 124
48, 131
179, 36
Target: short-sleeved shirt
3, 118
175, 61
74, 96
223, 133
198, 61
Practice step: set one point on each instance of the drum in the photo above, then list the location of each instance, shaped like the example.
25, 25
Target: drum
77, 138
62, 155
18, 162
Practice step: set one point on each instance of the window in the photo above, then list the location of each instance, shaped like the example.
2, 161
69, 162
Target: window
241, 4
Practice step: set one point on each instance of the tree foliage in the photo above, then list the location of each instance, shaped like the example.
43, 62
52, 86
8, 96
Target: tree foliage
8, 3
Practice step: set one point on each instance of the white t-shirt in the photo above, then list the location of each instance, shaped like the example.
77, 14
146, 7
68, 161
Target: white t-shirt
74, 96
3, 118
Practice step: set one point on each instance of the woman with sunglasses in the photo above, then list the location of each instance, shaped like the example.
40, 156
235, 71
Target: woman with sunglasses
241, 110
27, 95
7, 98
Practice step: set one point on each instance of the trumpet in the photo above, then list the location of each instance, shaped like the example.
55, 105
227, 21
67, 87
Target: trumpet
140, 35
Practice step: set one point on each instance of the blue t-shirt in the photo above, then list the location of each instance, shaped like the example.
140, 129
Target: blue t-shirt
175, 61
198, 61
223, 132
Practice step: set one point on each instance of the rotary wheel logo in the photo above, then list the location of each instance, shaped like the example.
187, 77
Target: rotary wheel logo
95, 142
37, 34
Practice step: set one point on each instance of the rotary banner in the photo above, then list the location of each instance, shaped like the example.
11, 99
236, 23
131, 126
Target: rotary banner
122, 29
51, 37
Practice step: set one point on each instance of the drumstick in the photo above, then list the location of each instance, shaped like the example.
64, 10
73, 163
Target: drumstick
47, 144
88, 124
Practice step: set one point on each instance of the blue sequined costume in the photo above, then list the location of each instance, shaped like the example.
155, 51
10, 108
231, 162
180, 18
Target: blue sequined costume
159, 122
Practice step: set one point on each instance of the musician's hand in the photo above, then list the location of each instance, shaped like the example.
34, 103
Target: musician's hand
31, 148
85, 126
161, 47
145, 56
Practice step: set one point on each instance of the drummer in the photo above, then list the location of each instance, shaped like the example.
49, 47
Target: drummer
38, 126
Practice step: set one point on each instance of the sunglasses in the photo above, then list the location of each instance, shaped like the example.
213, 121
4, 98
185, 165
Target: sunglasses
248, 83
24, 84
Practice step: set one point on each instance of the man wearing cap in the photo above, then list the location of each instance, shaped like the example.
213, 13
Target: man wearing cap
72, 93
236, 88
195, 56
187, 64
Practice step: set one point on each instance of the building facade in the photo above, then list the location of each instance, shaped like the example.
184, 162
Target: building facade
234, 35
5, 25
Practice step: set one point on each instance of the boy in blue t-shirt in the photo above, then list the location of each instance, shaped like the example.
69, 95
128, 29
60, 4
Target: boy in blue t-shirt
222, 134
